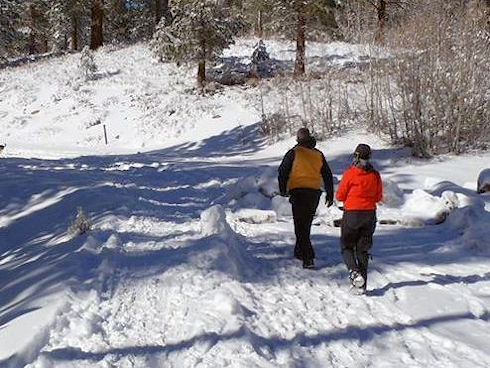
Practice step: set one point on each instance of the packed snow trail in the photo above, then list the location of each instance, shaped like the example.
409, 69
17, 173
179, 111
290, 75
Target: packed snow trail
157, 283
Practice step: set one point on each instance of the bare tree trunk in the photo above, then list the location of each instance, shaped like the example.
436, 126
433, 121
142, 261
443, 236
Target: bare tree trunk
201, 71
299, 65
381, 15
74, 33
161, 10
158, 11
32, 36
259, 27
96, 38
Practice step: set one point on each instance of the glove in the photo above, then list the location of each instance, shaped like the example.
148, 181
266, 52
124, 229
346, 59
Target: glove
328, 202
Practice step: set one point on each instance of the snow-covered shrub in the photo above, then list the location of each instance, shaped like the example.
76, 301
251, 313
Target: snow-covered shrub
483, 184
260, 53
259, 64
433, 94
87, 67
81, 224
275, 124
323, 105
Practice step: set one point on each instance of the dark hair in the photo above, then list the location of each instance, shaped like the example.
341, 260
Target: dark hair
303, 135
363, 152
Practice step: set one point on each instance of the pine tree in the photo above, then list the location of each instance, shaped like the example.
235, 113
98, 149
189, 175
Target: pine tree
10, 20
77, 12
60, 24
199, 31
35, 22
117, 21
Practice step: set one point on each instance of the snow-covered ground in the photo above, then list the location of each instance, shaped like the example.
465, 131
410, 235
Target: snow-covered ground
189, 259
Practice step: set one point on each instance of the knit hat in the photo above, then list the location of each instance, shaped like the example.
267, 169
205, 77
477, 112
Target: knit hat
303, 135
363, 152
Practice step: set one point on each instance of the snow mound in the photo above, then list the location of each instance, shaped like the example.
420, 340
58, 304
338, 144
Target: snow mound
329, 215
224, 251
281, 206
253, 216
422, 208
392, 194
267, 183
213, 221
484, 181
255, 191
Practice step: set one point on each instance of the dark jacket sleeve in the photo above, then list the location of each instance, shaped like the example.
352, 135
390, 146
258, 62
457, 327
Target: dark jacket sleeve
285, 170
327, 179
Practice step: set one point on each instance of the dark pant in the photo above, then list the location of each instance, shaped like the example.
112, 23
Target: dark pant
356, 238
304, 203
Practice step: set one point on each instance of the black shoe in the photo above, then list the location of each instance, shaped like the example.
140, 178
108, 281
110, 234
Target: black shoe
308, 263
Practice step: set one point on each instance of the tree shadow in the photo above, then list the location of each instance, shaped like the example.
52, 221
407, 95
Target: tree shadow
234, 70
437, 279
165, 185
38, 201
361, 334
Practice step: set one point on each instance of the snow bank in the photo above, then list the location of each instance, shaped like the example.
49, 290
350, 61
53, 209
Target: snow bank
470, 218
421, 208
460, 209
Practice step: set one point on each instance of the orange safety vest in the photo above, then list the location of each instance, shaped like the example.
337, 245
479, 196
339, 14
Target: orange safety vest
306, 170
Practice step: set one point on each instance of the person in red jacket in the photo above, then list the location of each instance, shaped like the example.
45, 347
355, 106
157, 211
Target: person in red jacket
360, 189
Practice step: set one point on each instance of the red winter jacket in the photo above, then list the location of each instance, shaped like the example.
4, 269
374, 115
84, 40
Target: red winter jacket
360, 189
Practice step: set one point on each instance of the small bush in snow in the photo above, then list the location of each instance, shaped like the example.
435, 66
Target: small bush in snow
81, 224
87, 66
323, 105
260, 58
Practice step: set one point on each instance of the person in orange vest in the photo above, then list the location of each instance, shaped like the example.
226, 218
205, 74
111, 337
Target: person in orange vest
360, 189
300, 177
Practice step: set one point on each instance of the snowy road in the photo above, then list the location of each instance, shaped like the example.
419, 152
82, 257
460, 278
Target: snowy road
153, 285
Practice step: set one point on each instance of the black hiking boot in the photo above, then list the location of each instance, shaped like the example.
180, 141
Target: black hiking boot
308, 263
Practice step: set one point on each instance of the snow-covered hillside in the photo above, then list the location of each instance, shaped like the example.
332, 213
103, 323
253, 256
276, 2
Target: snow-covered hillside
189, 262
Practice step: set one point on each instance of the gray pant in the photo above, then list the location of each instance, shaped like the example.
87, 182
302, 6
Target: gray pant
356, 238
